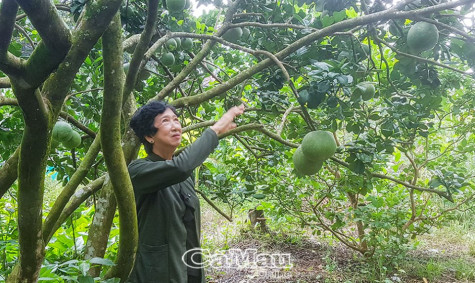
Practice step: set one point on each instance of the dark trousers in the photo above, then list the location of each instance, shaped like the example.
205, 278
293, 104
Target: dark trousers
194, 279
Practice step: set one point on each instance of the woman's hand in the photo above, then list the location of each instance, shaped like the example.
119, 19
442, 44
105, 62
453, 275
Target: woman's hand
226, 122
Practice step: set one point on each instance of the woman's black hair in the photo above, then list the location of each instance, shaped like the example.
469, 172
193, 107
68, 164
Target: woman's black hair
142, 121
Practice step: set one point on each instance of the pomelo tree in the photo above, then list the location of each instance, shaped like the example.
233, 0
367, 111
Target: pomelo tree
402, 148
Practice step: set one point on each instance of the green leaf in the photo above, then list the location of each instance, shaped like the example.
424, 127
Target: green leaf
259, 196
101, 261
339, 16
327, 21
85, 279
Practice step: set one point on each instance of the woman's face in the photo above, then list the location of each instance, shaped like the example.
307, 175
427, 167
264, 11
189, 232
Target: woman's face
169, 130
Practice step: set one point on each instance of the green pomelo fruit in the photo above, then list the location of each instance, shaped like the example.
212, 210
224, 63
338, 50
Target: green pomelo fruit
175, 6
233, 34
303, 165
62, 131
187, 44
318, 145
422, 36
178, 42
74, 141
171, 44
366, 90
168, 59
245, 33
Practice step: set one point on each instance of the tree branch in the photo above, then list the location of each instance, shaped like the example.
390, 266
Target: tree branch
8, 101
31, 174
408, 185
87, 33
273, 25
308, 39
138, 60
5, 82
422, 59
18, 27
447, 27
199, 56
7, 22
214, 206
112, 150
76, 123
68, 190
52, 29
78, 198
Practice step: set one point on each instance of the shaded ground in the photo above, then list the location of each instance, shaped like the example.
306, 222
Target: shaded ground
313, 261
446, 255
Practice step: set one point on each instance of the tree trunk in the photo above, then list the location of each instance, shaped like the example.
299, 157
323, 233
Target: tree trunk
100, 228
113, 154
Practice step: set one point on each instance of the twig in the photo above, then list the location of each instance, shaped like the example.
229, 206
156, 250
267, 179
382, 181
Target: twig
170, 75
450, 28
408, 185
275, 25
422, 59
18, 27
284, 118
214, 206
84, 91
66, 116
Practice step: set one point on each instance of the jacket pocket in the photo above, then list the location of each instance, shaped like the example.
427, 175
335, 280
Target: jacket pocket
155, 262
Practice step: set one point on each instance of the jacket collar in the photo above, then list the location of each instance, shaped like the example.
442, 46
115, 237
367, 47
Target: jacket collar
154, 157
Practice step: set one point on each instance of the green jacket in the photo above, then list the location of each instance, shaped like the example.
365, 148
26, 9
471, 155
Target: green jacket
168, 212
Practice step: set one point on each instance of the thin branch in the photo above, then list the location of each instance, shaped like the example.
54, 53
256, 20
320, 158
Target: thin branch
469, 198
422, 59
284, 118
81, 195
198, 125
22, 30
169, 74
66, 116
244, 143
46, 20
214, 206
408, 185
241, 15
446, 26
83, 91
338, 235
138, 61
274, 25
450, 145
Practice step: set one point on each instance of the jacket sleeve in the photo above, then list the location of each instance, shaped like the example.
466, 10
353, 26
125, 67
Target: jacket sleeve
148, 176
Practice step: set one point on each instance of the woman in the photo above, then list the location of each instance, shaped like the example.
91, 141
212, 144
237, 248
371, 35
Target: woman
168, 209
